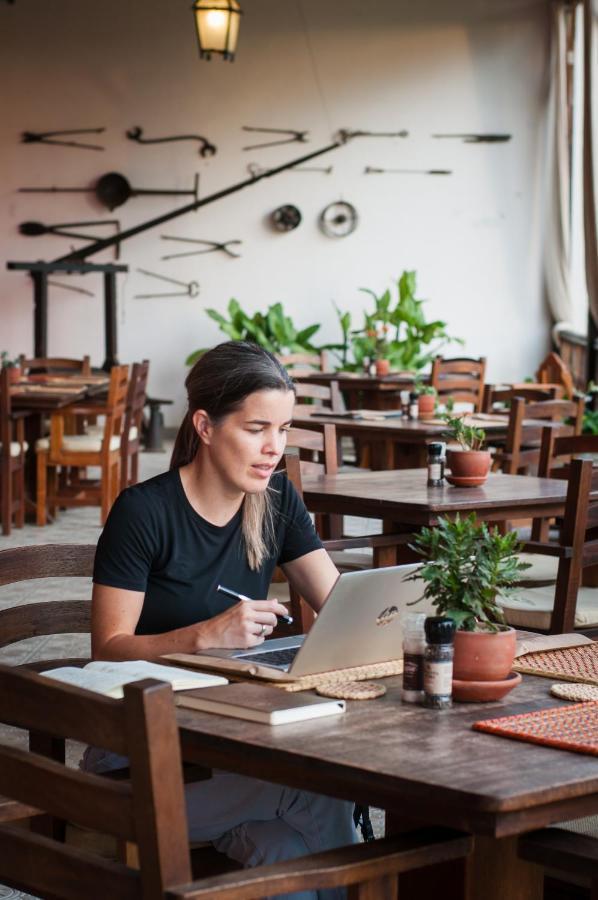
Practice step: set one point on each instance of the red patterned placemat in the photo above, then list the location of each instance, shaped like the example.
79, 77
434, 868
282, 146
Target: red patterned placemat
568, 664
566, 727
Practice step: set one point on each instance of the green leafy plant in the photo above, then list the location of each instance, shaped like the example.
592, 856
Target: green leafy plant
273, 330
6, 362
466, 566
422, 389
399, 332
467, 436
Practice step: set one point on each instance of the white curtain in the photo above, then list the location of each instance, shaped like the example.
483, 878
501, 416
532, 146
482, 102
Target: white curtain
590, 151
557, 235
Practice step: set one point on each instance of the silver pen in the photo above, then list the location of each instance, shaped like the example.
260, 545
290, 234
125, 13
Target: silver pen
288, 620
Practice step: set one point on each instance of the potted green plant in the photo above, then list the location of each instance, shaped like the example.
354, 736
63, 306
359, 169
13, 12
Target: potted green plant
396, 331
426, 399
274, 330
469, 463
14, 370
466, 567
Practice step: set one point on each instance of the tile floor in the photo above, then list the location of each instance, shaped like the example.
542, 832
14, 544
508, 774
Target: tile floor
78, 526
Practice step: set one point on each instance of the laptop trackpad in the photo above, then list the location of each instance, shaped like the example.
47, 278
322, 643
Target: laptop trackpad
278, 653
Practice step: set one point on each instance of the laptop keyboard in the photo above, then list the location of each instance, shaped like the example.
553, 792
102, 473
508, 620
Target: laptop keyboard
279, 658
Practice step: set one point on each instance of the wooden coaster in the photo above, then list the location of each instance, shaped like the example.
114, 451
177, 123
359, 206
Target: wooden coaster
579, 692
352, 690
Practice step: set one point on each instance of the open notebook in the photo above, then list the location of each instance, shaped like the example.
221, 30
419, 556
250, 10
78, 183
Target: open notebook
109, 677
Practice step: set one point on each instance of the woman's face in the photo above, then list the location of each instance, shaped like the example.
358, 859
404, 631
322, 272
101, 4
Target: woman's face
246, 446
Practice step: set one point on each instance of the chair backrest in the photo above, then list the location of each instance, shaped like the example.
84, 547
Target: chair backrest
23, 621
497, 398
578, 532
326, 396
522, 443
460, 378
149, 810
116, 403
552, 370
557, 452
55, 364
305, 362
136, 396
317, 448
5, 421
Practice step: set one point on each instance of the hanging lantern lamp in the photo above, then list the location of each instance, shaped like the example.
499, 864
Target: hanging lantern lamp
217, 25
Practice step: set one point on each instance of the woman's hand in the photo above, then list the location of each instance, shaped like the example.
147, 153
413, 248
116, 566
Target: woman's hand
246, 624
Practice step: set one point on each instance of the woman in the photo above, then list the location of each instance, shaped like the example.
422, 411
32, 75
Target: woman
220, 515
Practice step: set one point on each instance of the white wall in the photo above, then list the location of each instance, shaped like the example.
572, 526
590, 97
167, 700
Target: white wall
385, 65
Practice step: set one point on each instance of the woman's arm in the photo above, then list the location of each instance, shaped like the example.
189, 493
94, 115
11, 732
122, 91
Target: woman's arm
115, 613
312, 576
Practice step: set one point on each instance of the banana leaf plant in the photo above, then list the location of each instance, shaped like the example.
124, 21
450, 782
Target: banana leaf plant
273, 330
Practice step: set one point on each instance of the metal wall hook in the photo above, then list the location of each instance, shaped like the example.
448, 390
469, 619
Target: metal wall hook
206, 149
45, 137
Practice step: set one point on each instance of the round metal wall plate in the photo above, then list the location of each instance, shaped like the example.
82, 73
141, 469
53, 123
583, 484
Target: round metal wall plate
338, 219
286, 217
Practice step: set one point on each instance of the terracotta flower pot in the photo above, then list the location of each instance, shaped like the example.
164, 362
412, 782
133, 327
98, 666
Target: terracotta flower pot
382, 366
469, 468
425, 405
14, 373
484, 655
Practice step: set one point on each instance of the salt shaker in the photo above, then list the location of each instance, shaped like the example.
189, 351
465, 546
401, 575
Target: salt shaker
414, 646
438, 662
413, 405
435, 464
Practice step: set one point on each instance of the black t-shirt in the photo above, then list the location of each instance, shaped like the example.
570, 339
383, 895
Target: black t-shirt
155, 542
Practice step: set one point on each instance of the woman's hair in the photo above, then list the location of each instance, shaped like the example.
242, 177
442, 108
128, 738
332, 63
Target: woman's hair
219, 382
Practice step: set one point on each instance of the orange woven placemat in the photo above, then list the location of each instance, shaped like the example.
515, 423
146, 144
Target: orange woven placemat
566, 727
569, 664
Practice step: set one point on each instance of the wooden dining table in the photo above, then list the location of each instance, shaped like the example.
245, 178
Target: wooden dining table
403, 499
360, 389
423, 765
395, 441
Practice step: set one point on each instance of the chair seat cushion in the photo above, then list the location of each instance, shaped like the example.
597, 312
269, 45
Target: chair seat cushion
80, 443
15, 448
543, 568
532, 607
98, 431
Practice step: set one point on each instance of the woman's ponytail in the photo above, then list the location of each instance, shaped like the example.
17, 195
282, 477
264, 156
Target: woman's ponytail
186, 443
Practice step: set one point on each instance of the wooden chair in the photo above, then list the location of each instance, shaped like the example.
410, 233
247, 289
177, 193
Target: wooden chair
498, 398
301, 363
563, 852
552, 370
149, 810
563, 607
80, 451
460, 378
21, 622
131, 436
55, 364
326, 396
521, 451
12, 460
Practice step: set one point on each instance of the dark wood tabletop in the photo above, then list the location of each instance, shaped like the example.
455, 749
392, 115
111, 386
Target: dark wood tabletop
429, 765
48, 392
402, 496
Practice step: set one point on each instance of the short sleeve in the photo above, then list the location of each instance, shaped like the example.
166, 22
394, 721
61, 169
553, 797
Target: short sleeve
298, 533
126, 547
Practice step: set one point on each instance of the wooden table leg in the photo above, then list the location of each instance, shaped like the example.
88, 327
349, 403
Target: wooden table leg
423, 883
495, 872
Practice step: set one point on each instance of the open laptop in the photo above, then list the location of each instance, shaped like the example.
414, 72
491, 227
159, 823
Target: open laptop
360, 623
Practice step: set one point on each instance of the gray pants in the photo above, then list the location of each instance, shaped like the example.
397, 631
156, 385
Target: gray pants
255, 822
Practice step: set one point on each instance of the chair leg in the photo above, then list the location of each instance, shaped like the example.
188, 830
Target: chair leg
116, 481
20, 519
384, 888
6, 501
106, 492
41, 496
124, 471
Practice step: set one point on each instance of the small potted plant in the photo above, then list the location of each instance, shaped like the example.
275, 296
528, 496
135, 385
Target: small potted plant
469, 463
426, 400
14, 370
466, 567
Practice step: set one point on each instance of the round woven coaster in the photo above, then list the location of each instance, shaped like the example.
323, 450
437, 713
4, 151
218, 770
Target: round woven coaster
352, 690
578, 692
